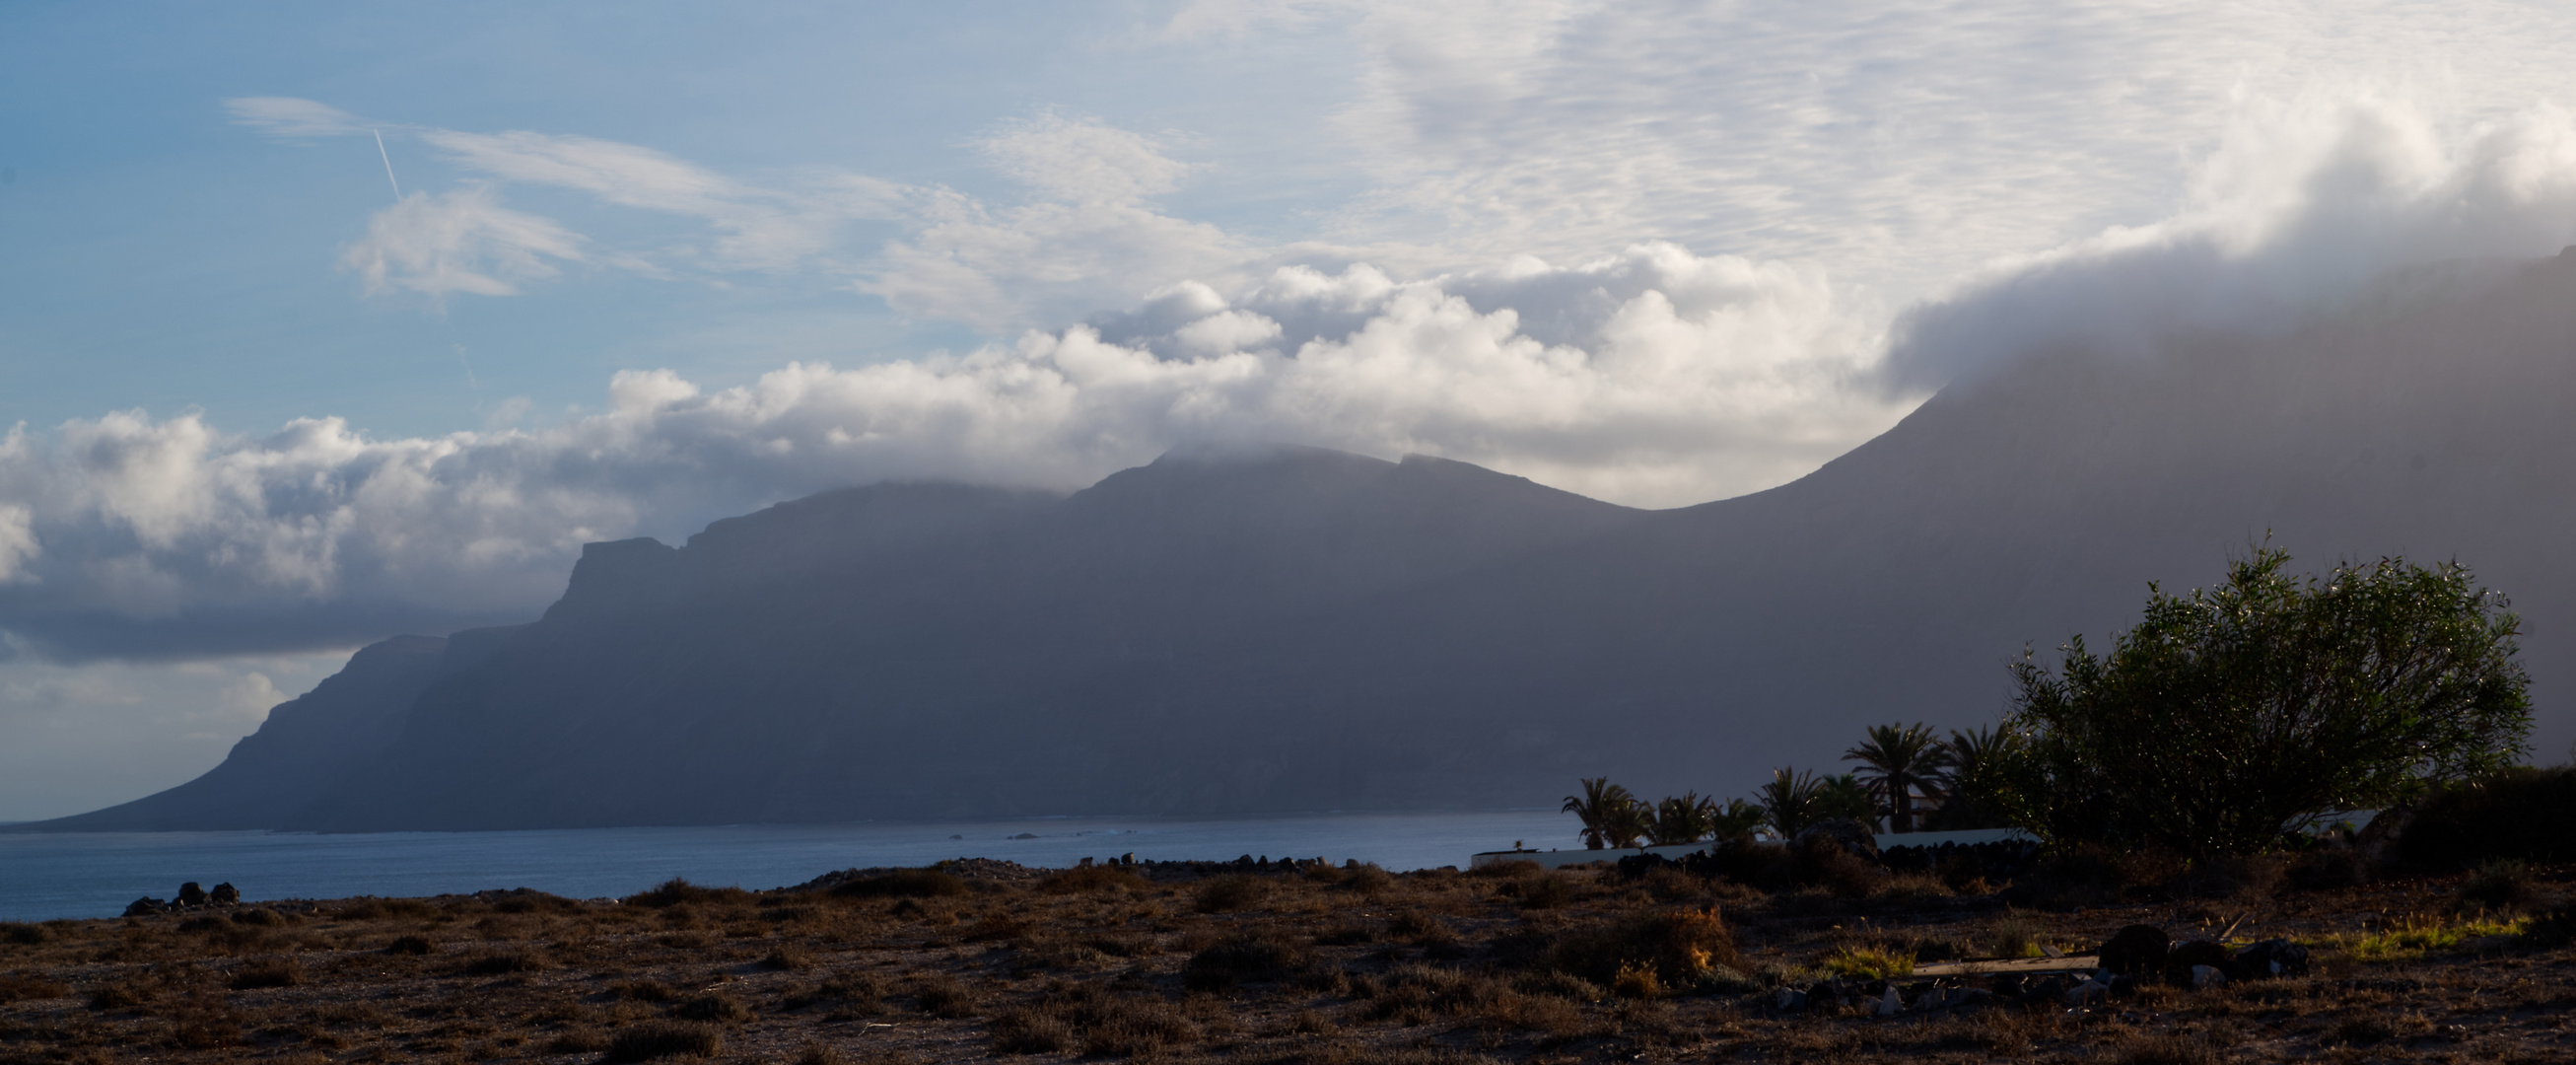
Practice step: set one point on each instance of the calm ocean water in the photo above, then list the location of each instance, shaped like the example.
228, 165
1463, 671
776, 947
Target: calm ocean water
45, 876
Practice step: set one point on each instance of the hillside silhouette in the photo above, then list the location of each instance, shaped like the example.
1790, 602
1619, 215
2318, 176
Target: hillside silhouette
1244, 630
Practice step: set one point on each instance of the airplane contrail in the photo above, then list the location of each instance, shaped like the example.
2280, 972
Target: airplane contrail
389, 164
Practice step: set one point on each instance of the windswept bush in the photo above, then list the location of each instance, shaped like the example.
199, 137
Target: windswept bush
902, 884
1680, 947
676, 891
268, 972
1090, 879
1242, 958
1228, 893
668, 1040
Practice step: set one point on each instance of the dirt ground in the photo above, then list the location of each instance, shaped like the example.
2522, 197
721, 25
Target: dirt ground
1288, 964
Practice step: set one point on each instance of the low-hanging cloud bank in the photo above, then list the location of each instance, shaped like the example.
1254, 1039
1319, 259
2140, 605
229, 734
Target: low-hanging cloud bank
1653, 376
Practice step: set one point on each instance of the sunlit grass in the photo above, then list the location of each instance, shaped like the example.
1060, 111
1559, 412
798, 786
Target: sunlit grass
1869, 963
2413, 935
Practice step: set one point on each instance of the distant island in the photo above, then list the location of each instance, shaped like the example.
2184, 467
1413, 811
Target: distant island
1274, 629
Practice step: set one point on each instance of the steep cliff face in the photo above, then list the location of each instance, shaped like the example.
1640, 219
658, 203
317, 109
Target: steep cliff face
1291, 629
305, 747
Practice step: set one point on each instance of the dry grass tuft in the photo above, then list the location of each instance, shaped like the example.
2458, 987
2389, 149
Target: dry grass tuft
651, 1041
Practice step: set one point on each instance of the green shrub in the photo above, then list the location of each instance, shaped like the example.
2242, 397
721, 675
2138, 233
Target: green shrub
2230, 712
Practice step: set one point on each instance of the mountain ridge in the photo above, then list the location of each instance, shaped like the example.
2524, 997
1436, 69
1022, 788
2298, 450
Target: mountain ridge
1278, 629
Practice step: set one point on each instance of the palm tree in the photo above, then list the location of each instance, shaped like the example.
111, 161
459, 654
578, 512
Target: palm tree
1736, 820
1607, 812
1899, 762
1686, 819
1789, 801
1847, 797
1979, 775
1629, 824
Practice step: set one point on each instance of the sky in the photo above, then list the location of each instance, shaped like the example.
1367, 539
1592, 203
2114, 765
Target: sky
323, 322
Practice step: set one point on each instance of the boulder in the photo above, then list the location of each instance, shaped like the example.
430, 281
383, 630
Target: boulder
1849, 834
2191, 954
224, 895
1789, 1000
2204, 977
2267, 959
144, 907
2139, 948
190, 895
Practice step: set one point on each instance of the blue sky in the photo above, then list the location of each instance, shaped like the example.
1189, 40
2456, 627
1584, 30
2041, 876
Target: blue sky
655, 264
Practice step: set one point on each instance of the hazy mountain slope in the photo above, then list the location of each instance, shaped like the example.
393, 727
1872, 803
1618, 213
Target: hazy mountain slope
306, 745
1300, 630
975, 669
1699, 648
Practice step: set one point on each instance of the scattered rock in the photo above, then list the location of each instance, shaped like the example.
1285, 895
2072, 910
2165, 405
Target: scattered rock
2139, 948
2204, 977
2191, 954
1890, 1004
2088, 993
1789, 1000
2267, 959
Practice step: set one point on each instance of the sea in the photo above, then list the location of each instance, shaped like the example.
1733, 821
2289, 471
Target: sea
44, 876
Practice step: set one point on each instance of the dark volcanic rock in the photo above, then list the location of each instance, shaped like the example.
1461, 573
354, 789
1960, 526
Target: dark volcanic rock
2138, 948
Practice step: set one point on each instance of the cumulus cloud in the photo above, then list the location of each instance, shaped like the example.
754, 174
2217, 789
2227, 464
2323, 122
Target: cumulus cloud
1652, 376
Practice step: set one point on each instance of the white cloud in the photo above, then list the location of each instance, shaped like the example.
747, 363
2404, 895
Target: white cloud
291, 118
1898, 144
2306, 205
1082, 160
463, 241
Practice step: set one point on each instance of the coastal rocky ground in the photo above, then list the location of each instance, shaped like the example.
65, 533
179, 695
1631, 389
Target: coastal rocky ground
1313, 962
